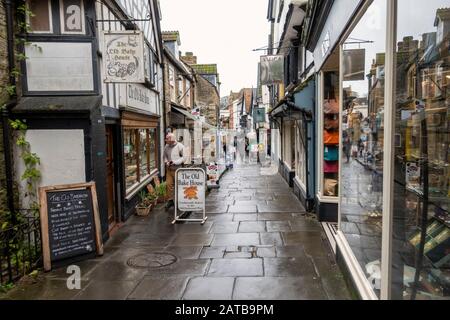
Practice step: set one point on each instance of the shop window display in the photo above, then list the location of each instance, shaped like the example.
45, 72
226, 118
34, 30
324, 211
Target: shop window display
331, 134
421, 230
140, 155
362, 68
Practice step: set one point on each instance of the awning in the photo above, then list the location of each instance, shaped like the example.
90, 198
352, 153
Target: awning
188, 115
301, 100
65, 104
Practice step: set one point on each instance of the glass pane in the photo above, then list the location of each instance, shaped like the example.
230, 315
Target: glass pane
130, 157
40, 21
153, 153
143, 153
331, 134
421, 268
362, 135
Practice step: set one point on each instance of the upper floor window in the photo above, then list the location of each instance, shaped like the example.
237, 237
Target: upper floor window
40, 20
72, 16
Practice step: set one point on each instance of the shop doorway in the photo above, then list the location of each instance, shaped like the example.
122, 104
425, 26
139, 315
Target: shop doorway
110, 169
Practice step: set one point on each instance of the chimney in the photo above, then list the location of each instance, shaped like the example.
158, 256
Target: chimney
189, 58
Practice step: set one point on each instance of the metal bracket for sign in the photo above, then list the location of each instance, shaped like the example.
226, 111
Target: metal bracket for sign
177, 218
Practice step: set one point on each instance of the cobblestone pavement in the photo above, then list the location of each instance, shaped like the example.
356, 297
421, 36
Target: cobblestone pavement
257, 243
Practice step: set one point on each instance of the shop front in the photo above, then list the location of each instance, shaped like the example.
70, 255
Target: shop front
305, 142
389, 88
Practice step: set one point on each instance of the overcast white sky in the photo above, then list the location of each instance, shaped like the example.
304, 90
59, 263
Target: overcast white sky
222, 32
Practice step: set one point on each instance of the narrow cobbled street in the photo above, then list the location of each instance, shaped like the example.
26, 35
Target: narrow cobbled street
258, 243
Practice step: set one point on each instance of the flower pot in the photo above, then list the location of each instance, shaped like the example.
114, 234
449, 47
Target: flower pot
143, 211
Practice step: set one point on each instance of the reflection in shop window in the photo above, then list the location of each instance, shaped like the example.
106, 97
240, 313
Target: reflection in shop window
421, 230
363, 139
140, 155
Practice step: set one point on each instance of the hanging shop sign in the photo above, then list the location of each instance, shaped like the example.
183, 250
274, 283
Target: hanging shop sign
272, 69
70, 222
354, 62
123, 57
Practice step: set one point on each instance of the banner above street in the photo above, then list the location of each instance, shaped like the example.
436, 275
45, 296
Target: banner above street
272, 69
123, 57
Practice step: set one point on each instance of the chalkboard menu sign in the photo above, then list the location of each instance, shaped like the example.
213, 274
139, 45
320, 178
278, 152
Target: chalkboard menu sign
70, 222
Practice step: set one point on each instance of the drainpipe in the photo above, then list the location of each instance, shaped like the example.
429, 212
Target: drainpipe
7, 109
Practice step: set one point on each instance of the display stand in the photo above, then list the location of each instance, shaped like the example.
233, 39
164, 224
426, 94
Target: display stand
192, 199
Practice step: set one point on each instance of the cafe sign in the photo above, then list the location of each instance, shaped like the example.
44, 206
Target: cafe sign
123, 57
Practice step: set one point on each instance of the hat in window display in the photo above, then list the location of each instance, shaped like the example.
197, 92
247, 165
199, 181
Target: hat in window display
331, 107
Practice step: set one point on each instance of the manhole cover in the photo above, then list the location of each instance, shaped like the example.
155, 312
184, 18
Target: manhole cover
152, 260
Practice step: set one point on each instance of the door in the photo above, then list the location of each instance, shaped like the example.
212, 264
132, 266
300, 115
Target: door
112, 217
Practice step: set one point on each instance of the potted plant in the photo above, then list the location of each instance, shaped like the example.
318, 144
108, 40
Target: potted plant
161, 191
153, 198
144, 206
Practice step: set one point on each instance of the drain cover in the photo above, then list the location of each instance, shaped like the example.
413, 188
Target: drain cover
152, 260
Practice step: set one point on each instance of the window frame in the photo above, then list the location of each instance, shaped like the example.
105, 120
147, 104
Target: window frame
142, 178
50, 17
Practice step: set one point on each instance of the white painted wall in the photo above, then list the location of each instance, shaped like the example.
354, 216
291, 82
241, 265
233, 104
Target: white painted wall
62, 158
59, 66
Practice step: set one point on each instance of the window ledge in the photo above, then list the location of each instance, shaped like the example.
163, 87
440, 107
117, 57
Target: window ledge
136, 188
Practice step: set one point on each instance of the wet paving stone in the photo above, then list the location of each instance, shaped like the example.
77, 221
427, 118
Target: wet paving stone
193, 227
184, 240
107, 290
206, 289
280, 216
290, 251
245, 217
224, 227
289, 267
252, 226
184, 253
305, 225
236, 268
158, 288
149, 239
278, 288
332, 279
117, 271
242, 209
235, 255
220, 217
275, 226
235, 239
212, 252
44, 289
272, 238
300, 237
182, 267
266, 252
216, 208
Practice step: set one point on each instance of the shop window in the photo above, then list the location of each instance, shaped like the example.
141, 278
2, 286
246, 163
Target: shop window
41, 19
72, 16
140, 155
361, 207
331, 134
421, 229
300, 148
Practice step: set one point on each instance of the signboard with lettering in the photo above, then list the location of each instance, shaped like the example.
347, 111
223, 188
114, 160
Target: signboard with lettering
70, 222
190, 193
139, 97
272, 69
123, 57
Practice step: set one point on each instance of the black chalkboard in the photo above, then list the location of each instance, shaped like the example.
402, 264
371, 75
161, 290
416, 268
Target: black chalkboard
71, 224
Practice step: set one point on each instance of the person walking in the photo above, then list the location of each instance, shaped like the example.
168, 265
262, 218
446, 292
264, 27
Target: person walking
174, 158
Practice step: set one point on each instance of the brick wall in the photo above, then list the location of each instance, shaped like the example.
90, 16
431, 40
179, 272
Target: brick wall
207, 98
